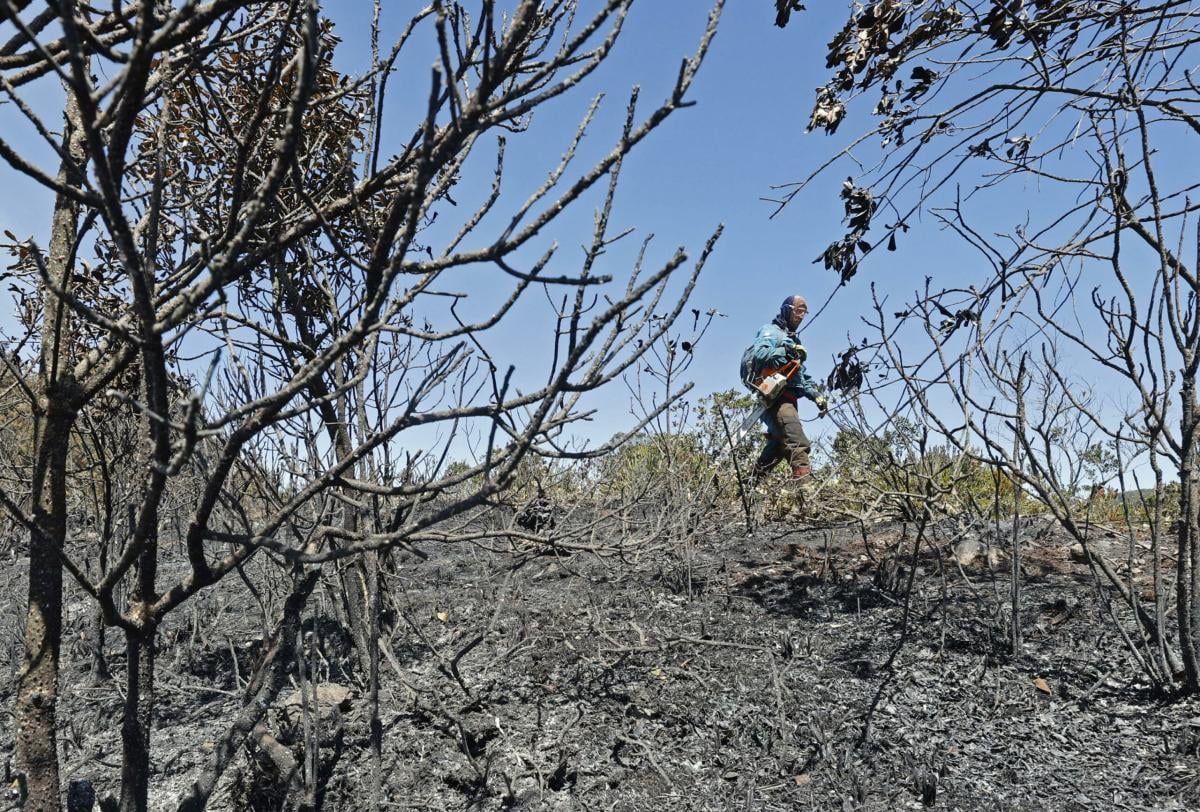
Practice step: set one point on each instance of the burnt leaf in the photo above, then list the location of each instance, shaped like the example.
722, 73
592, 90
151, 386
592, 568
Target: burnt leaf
828, 111
784, 9
859, 205
847, 373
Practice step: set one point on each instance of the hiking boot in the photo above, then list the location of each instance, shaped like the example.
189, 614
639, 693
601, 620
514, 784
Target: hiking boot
801, 488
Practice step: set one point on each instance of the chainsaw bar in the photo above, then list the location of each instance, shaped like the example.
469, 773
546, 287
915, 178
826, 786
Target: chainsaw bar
743, 431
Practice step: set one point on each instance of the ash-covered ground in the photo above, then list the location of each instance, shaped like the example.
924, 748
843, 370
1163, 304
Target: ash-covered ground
762, 672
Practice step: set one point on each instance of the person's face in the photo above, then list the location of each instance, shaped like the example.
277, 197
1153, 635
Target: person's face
799, 311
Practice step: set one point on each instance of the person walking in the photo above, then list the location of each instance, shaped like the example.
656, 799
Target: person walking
774, 346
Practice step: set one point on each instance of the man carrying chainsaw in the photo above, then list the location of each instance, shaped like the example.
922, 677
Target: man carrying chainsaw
773, 367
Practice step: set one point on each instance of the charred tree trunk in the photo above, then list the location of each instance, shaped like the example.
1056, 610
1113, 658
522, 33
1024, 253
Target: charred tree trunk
139, 680
139, 653
1188, 581
37, 682
376, 724
99, 667
352, 574
139, 640
55, 412
1015, 572
135, 724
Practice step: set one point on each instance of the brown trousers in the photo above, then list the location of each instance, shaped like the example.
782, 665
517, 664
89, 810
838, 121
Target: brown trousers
786, 439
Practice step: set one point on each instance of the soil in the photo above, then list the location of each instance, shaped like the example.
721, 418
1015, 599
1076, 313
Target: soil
774, 671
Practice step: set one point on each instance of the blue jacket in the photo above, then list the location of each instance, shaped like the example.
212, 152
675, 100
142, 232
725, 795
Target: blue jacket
773, 347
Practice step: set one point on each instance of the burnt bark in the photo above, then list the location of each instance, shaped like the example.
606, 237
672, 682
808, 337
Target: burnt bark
37, 682
1188, 581
54, 416
136, 722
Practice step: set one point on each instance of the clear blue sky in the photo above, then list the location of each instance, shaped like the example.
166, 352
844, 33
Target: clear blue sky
709, 164
712, 163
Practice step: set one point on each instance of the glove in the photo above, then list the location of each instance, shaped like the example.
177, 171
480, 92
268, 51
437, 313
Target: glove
796, 350
822, 405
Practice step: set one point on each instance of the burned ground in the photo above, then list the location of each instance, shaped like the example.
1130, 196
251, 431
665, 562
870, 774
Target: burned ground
772, 671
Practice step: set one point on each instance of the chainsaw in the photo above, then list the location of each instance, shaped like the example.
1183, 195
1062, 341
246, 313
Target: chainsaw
768, 388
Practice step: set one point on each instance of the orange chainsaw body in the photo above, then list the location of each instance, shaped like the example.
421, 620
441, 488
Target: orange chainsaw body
774, 380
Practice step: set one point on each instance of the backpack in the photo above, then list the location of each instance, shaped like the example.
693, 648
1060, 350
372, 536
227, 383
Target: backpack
766, 349
755, 358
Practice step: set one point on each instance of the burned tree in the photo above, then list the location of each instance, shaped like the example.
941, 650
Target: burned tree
1090, 291
275, 279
